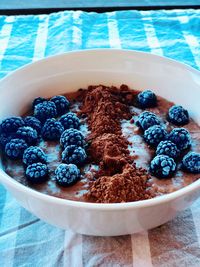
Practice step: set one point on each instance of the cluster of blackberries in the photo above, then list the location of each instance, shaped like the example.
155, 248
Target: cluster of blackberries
169, 146
19, 136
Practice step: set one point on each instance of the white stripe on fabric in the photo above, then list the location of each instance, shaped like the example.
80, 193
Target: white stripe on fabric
152, 39
195, 209
5, 36
77, 31
10, 220
113, 32
41, 39
73, 249
141, 250
191, 40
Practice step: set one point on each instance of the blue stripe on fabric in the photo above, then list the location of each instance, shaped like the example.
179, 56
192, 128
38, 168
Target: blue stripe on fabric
21, 45
131, 31
38, 243
168, 31
95, 31
59, 37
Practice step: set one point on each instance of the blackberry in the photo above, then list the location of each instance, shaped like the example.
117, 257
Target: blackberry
37, 101
72, 137
154, 134
52, 130
5, 138
10, 125
33, 122
74, 154
67, 174
45, 110
162, 166
28, 134
191, 162
167, 148
15, 148
147, 119
37, 173
34, 154
147, 99
70, 120
180, 137
62, 104
178, 115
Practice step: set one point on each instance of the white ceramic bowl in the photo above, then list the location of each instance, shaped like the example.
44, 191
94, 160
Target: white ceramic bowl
68, 72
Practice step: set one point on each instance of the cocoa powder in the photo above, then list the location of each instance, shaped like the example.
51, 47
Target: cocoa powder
118, 178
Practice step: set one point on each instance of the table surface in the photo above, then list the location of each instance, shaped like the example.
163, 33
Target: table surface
27, 241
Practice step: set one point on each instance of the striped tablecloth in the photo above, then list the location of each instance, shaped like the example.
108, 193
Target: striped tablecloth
27, 241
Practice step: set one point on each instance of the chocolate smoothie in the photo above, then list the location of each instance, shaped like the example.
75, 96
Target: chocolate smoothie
118, 160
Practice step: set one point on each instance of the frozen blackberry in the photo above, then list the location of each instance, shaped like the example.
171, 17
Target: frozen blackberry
62, 104
147, 119
180, 137
74, 154
167, 148
37, 101
34, 154
45, 110
191, 162
178, 115
154, 134
37, 173
5, 138
52, 130
15, 148
28, 134
33, 122
147, 99
162, 166
67, 174
11, 125
70, 120
72, 137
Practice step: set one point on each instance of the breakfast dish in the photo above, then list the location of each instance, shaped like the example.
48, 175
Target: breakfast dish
102, 144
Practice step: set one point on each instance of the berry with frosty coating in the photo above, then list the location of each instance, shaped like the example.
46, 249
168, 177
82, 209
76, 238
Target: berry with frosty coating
62, 104
37, 101
28, 134
180, 137
70, 120
11, 124
167, 148
178, 115
72, 137
37, 173
45, 110
5, 138
52, 130
147, 119
147, 99
15, 148
191, 162
74, 154
34, 154
162, 166
33, 122
154, 134
67, 174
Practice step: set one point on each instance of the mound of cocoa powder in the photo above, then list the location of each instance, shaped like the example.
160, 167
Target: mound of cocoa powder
118, 179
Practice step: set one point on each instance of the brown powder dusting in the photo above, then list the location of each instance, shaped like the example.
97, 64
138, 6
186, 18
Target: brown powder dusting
118, 179
130, 185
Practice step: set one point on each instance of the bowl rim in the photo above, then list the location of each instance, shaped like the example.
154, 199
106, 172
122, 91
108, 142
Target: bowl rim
100, 206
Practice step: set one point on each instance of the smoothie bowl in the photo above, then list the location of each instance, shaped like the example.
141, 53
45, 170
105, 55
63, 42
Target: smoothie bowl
108, 153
